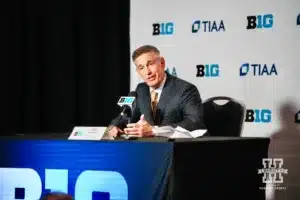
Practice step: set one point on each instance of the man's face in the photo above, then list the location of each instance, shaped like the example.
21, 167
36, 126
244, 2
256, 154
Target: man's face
151, 68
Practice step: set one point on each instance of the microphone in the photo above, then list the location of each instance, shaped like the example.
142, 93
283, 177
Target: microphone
127, 103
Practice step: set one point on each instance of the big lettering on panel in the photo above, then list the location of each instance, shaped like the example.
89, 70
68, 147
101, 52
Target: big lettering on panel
87, 170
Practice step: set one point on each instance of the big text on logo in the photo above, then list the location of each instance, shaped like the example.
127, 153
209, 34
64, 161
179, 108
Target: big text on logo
258, 115
208, 70
163, 28
260, 21
208, 26
126, 100
87, 183
258, 69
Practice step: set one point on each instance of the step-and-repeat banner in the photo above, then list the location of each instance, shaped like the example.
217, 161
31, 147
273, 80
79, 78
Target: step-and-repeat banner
247, 50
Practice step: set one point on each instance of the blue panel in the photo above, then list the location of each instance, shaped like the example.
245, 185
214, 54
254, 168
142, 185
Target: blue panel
93, 169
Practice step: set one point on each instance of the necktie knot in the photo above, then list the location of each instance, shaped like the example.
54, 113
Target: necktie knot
154, 96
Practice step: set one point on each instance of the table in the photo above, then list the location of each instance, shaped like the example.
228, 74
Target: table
219, 168
204, 168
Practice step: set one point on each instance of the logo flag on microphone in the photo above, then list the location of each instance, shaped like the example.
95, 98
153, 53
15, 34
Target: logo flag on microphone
126, 101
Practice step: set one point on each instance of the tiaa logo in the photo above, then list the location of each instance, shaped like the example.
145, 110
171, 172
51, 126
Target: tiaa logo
171, 71
258, 69
208, 26
26, 184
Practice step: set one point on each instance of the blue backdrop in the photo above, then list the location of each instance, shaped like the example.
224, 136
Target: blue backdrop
88, 170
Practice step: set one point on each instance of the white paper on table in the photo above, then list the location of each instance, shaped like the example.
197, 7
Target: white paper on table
164, 131
198, 133
178, 132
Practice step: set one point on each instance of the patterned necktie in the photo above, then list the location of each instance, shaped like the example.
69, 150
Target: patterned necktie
154, 96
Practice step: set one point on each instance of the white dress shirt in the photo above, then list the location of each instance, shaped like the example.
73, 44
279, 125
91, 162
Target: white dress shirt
159, 89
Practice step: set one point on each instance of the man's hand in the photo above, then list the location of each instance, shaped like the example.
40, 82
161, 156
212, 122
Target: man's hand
141, 129
112, 132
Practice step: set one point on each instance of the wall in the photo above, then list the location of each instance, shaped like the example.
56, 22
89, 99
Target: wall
248, 50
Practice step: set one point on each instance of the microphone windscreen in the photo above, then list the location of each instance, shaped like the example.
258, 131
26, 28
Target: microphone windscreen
133, 94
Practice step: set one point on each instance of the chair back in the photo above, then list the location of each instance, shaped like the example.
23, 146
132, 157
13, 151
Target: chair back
224, 119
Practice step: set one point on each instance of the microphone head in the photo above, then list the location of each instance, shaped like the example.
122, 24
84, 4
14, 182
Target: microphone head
127, 104
126, 111
133, 94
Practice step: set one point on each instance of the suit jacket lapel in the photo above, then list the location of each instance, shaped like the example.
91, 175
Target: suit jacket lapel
163, 100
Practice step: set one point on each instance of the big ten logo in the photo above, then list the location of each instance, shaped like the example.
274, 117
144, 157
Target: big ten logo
172, 72
208, 26
298, 20
78, 133
163, 28
260, 21
258, 69
26, 184
258, 115
208, 70
297, 117
126, 100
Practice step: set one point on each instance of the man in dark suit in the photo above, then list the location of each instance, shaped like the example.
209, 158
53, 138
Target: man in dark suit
163, 99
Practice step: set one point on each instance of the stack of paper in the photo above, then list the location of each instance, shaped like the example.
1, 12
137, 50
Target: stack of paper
178, 132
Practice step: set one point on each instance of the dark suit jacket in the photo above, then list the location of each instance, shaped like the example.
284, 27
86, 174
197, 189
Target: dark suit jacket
180, 104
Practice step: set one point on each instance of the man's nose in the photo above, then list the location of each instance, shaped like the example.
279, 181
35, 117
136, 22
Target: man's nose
147, 71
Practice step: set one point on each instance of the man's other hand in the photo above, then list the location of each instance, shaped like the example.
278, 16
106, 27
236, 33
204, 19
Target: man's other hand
112, 132
140, 129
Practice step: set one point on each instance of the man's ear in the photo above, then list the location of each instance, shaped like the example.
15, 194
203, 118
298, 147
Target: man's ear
163, 62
